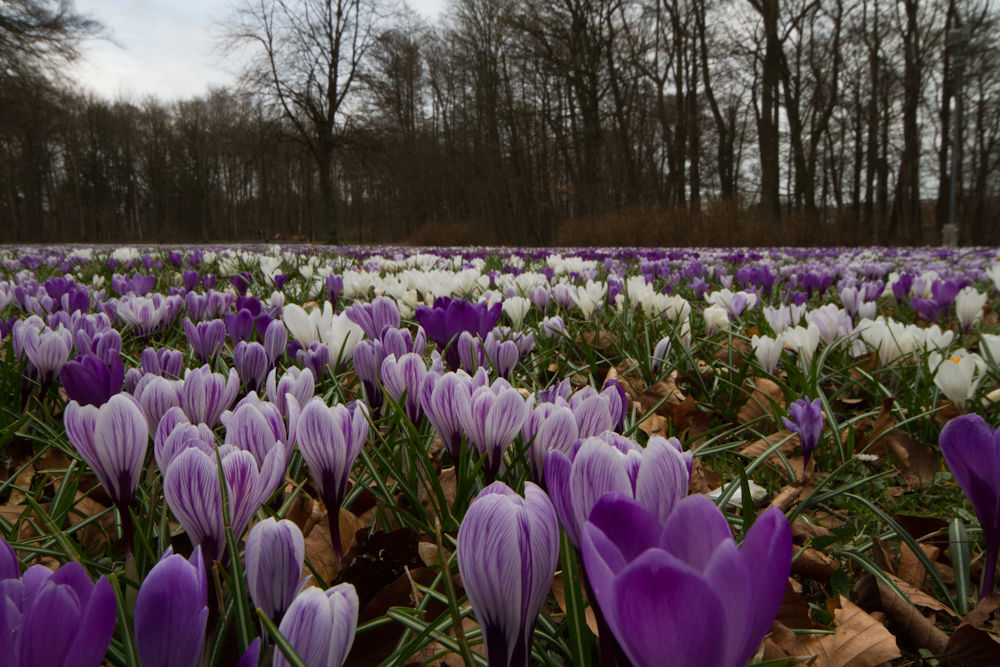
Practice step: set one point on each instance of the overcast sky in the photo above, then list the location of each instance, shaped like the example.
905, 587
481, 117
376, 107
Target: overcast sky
165, 47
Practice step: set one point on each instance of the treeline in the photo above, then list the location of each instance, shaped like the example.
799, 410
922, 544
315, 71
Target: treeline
536, 122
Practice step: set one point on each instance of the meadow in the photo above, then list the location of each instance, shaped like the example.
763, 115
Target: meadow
325, 456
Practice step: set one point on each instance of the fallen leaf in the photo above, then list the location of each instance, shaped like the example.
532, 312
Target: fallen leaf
983, 610
859, 640
815, 565
765, 396
319, 547
703, 480
794, 613
22, 483
918, 461
911, 570
803, 531
909, 625
757, 448
559, 592
786, 498
970, 646
653, 424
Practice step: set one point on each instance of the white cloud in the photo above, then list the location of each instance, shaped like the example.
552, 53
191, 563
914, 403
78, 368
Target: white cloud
167, 47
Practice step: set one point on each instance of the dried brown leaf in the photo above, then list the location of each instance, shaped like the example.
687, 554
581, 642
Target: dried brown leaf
918, 461
916, 631
765, 394
859, 640
815, 565
757, 448
970, 646
559, 592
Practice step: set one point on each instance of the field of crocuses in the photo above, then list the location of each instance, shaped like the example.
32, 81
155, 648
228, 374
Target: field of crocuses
441, 456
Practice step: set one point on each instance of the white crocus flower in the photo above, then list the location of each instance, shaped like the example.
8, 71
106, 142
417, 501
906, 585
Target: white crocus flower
516, 308
803, 340
969, 307
588, 297
716, 319
992, 344
768, 351
957, 375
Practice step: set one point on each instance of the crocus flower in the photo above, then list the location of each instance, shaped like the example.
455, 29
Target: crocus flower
716, 319
957, 375
320, 626
206, 395
492, 417
368, 358
90, 381
660, 354
405, 376
33, 608
971, 449
239, 325
298, 383
508, 549
438, 399
175, 433
47, 351
449, 317
156, 395
683, 589
548, 427
768, 351
657, 477
330, 439
206, 339
191, 487
373, 317
255, 426
275, 340
112, 440
171, 611
334, 286
275, 552
251, 363
163, 362
553, 327
969, 307
807, 421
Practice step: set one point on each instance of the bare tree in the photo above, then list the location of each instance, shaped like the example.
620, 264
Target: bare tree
307, 56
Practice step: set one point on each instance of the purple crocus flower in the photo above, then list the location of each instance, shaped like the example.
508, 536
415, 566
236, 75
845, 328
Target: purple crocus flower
683, 589
112, 440
30, 608
401, 341
298, 383
191, 279
368, 358
90, 381
334, 286
250, 361
171, 611
492, 417
373, 317
206, 395
315, 358
320, 626
47, 350
240, 325
438, 399
241, 282
163, 362
275, 552
508, 549
191, 488
971, 448
275, 340
548, 427
206, 339
255, 426
330, 439
657, 477
807, 421
156, 395
449, 317
405, 376
175, 433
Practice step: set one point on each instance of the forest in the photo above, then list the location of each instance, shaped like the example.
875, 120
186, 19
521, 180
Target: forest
521, 122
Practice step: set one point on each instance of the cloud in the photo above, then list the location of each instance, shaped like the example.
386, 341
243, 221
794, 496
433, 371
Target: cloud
165, 48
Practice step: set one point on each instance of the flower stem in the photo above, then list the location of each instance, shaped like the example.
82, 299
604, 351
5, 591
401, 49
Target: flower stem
989, 573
